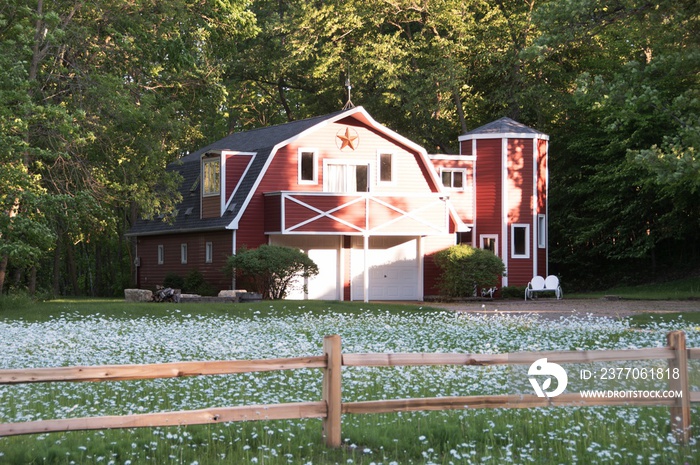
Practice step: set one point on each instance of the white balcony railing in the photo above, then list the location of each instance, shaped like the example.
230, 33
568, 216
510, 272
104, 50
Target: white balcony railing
289, 212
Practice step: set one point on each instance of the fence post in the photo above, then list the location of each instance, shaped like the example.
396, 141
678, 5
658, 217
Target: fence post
680, 413
332, 389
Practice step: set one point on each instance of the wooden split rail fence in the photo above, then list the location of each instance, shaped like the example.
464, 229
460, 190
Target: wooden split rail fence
330, 407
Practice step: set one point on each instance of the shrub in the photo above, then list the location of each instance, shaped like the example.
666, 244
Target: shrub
272, 268
466, 268
513, 292
194, 283
15, 300
174, 281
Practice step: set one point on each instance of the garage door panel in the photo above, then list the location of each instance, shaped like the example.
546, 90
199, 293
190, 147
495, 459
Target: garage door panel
393, 270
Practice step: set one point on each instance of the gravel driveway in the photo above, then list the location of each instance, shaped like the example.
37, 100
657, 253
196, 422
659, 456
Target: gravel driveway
552, 308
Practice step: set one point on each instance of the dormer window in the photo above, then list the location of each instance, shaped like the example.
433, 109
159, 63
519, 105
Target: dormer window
211, 176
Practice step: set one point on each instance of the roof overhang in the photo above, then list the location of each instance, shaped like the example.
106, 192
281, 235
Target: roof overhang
504, 135
176, 231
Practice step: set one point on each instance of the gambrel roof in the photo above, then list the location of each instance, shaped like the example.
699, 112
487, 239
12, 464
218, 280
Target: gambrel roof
264, 143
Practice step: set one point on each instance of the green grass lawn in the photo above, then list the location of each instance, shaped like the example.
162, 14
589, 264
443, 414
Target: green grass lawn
687, 288
96, 332
646, 320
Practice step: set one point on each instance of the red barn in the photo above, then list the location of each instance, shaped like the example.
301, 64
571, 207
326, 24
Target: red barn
366, 204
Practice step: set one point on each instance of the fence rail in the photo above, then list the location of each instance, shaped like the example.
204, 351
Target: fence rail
330, 407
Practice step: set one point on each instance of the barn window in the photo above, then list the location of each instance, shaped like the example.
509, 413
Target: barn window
209, 253
346, 177
211, 175
541, 231
454, 178
520, 241
386, 173
183, 254
161, 255
489, 242
308, 171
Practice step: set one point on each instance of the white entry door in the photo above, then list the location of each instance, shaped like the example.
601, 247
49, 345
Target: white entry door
393, 269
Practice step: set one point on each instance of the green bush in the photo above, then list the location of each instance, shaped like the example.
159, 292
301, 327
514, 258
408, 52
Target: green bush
466, 268
513, 292
174, 281
271, 268
194, 283
15, 300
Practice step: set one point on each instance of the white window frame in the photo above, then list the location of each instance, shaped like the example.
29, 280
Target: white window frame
392, 167
205, 184
209, 252
183, 254
513, 227
484, 237
161, 254
465, 179
300, 153
346, 162
542, 231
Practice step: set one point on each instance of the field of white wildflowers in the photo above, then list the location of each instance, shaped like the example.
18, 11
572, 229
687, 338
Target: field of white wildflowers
555, 435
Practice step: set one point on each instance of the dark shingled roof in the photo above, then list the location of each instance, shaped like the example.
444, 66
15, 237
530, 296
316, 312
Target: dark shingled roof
261, 141
503, 126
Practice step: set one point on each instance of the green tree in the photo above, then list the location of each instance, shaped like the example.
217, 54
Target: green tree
97, 98
272, 268
624, 76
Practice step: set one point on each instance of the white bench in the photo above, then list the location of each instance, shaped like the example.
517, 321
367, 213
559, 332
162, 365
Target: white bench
540, 284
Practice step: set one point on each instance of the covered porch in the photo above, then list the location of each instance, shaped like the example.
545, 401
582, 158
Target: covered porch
368, 246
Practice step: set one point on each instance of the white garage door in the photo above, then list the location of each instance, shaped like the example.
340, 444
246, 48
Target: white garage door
393, 269
324, 253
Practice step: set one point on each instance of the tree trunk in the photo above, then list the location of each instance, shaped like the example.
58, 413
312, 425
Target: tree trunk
57, 267
18, 277
99, 266
283, 99
3, 271
460, 110
72, 269
32, 280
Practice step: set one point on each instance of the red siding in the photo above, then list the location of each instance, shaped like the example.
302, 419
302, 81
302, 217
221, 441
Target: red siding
465, 147
273, 213
235, 167
353, 214
542, 176
463, 200
431, 272
151, 274
542, 192
488, 188
520, 181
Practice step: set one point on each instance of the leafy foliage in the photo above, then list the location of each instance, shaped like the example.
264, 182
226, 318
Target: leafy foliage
174, 281
272, 268
96, 98
195, 283
465, 268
